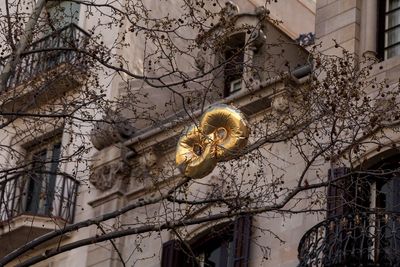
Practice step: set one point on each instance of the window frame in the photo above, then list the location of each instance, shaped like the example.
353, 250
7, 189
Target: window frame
233, 56
382, 21
47, 175
369, 198
176, 253
219, 236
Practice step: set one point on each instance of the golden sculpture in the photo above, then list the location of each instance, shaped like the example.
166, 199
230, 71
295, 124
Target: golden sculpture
223, 131
194, 155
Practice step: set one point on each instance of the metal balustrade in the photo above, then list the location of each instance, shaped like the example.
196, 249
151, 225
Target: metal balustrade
364, 239
49, 52
45, 194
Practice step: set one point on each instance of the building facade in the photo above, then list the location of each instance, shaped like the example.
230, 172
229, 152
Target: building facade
119, 158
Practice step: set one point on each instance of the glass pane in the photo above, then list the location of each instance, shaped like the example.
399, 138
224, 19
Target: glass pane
230, 253
69, 193
393, 19
50, 190
64, 13
392, 51
235, 86
213, 258
36, 187
392, 37
393, 4
218, 253
58, 196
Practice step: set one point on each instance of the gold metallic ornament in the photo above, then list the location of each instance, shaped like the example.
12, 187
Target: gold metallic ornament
223, 131
195, 157
229, 129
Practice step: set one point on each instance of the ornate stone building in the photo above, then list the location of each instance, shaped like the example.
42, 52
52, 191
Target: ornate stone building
132, 161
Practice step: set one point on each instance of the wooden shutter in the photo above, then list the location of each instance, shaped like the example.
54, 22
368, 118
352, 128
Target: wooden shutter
174, 255
241, 240
380, 33
171, 253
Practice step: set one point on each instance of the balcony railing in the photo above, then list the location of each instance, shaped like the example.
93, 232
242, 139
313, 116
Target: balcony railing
50, 195
365, 239
49, 52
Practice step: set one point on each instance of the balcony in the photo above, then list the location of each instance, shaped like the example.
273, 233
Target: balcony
364, 239
49, 52
33, 206
47, 69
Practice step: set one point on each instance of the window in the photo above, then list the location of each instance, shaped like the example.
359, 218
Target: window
62, 13
363, 223
41, 183
216, 251
41, 189
216, 254
353, 194
348, 195
222, 246
234, 61
389, 28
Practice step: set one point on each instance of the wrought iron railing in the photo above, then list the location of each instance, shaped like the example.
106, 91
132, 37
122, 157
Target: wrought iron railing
364, 239
51, 195
49, 52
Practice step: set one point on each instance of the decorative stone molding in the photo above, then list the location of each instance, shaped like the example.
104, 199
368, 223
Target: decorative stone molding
145, 164
280, 103
261, 11
257, 39
372, 55
104, 177
200, 62
306, 39
149, 158
111, 167
112, 129
230, 10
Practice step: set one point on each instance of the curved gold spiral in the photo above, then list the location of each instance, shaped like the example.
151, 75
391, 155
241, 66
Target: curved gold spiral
228, 127
223, 131
195, 157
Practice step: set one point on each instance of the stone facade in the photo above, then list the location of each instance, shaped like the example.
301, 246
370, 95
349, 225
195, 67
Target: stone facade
126, 167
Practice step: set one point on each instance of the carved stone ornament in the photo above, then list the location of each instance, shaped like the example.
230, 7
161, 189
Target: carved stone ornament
280, 103
112, 129
200, 62
104, 177
261, 11
306, 39
145, 165
257, 38
231, 9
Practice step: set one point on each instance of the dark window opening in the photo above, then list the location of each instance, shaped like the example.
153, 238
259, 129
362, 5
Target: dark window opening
388, 39
216, 247
222, 246
41, 189
217, 252
234, 61
42, 179
364, 216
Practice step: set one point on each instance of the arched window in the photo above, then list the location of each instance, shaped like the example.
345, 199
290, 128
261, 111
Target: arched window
225, 245
234, 58
363, 214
